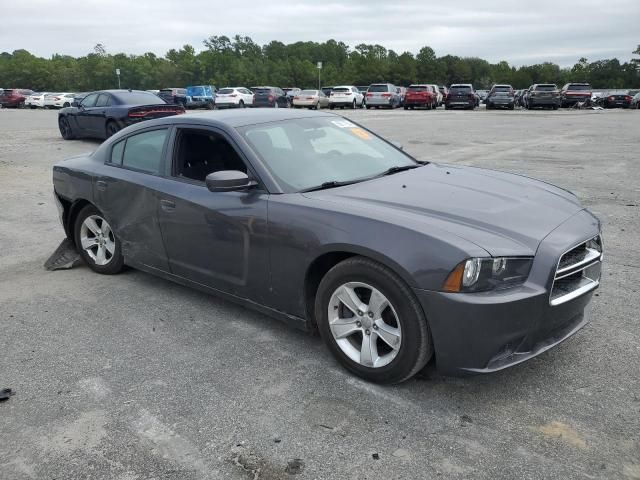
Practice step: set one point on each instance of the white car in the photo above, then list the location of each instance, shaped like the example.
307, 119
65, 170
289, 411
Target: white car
35, 100
436, 89
230, 97
58, 100
346, 96
313, 99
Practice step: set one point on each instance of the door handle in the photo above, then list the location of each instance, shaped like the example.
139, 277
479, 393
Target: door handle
167, 205
101, 185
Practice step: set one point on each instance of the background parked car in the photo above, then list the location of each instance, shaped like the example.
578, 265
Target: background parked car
420, 95
14, 97
35, 100
173, 95
438, 93
78, 97
501, 96
615, 99
327, 90
346, 96
444, 91
312, 99
201, 96
573, 93
62, 100
49, 100
635, 101
461, 95
273, 97
543, 95
483, 94
291, 92
229, 97
382, 95
103, 113
402, 91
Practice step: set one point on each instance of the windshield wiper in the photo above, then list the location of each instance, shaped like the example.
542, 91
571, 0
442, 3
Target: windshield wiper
397, 169
330, 184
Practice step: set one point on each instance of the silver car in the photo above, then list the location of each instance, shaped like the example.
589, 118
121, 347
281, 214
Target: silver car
383, 95
312, 99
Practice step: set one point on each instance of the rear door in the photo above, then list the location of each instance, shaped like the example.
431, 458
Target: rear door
126, 189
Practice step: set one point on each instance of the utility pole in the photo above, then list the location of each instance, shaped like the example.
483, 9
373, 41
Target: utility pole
118, 74
319, 66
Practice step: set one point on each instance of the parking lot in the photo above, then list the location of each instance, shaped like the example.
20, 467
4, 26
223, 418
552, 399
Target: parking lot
132, 377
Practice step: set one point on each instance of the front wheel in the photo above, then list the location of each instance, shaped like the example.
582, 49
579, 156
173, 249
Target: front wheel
371, 321
97, 243
65, 128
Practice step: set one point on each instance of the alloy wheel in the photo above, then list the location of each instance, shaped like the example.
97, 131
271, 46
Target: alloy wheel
96, 238
364, 324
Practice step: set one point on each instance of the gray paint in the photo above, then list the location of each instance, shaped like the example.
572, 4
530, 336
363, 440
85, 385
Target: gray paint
255, 247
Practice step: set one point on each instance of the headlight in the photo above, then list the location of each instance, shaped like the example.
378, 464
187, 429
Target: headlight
482, 274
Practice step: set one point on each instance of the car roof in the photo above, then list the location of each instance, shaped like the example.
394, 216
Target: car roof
237, 117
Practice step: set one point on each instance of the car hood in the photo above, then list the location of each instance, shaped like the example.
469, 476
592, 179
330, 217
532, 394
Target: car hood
505, 214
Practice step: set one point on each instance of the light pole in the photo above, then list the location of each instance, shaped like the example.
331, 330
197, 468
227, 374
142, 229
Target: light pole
319, 66
118, 74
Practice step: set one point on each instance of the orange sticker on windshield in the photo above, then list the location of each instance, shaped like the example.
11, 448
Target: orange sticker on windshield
358, 132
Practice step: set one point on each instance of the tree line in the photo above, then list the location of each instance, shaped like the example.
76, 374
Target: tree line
239, 61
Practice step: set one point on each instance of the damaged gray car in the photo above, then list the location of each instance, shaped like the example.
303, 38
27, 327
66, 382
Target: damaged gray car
316, 220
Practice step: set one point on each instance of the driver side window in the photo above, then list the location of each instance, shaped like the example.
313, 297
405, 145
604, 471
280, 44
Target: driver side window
201, 152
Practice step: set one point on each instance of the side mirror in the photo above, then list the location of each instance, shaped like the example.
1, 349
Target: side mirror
229, 181
75, 104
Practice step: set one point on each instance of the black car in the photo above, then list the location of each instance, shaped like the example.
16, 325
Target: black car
101, 114
316, 220
175, 96
461, 95
615, 99
273, 97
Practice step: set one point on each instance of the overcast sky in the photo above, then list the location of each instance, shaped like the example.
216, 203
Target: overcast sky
521, 32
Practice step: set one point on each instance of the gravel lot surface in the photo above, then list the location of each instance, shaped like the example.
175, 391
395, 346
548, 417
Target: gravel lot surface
132, 377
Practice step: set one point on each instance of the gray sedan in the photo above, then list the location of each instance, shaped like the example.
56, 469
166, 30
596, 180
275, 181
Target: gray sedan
315, 220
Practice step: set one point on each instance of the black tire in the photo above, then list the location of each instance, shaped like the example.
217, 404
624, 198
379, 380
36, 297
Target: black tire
354, 104
65, 128
416, 347
66, 105
241, 104
111, 128
331, 106
406, 107
211, 105
368, 107
116, 262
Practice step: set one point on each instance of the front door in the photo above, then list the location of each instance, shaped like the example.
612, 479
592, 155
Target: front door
217, 239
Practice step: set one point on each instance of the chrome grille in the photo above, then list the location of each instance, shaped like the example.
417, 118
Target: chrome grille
578, 271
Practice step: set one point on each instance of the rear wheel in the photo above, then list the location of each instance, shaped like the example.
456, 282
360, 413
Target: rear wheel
65, 128
241, 104
368, 107
97, 243
371, 321
406, 107
112, 128
66, 104
354, 104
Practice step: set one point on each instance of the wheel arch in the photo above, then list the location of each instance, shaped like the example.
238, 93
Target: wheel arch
70, 214
325, 261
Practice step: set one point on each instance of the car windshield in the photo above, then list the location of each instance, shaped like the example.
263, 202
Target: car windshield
378, 88
502, 89
225, 91
262, 91
309, 92
461, 89
579, 87
341, 89
306, 153
138, 98
546, 88
418, 88
196, 91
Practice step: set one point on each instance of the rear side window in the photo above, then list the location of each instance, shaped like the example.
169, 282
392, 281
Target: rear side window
144, 151
104, 100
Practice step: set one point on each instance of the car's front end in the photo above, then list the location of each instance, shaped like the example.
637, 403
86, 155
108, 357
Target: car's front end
494, 329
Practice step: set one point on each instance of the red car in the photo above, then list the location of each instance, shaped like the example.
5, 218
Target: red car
14, 97
573, 93
420, 95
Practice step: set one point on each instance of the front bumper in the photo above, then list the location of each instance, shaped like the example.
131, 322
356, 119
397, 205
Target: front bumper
489, 331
